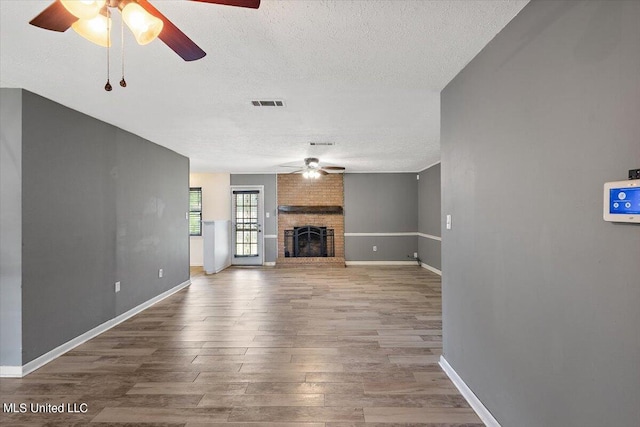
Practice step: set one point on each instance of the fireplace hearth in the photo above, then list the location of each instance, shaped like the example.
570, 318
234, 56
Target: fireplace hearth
308, 241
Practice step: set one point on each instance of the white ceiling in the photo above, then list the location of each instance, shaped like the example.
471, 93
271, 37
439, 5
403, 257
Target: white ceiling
365, 75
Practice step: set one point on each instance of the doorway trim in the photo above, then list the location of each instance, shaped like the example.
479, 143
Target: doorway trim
261, 247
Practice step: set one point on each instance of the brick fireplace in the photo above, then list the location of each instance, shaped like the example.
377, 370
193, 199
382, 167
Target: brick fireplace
311, 202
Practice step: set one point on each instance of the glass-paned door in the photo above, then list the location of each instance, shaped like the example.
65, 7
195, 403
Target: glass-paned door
247, 242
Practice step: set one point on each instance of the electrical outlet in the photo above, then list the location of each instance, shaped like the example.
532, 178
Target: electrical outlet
160, 273
415, 254
375, 249
117, 287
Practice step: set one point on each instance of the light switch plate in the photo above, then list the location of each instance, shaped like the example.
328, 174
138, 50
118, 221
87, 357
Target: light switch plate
117, 287
448, 222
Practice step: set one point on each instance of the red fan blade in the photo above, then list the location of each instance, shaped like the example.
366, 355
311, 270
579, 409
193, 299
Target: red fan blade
333, 168
253, 4
173, 37
55, 18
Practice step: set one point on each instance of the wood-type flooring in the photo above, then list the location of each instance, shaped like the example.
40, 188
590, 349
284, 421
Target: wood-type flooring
261, 347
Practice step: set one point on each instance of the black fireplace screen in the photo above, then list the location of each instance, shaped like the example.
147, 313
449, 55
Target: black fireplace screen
308, 241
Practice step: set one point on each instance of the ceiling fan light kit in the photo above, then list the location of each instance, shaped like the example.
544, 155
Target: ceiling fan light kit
311, 174
93, 23
92, 20
313, 170
95, 29
83, 9
144, 26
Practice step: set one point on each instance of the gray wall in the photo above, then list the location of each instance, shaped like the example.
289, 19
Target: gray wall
270, 205
380, 203
152, 198
429, 250
374, 203
541, 297
10, 227
99, 205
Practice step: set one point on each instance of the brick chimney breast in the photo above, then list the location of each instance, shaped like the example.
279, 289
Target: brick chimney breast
295, 190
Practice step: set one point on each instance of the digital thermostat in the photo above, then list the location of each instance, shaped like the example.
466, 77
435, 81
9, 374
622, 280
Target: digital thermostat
622, 201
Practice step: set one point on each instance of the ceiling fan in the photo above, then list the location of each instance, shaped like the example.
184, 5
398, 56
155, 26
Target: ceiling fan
91, 19
312, 168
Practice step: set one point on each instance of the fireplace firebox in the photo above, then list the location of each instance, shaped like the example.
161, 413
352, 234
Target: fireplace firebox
308, 241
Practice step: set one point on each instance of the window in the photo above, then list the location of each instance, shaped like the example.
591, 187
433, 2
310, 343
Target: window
195, 211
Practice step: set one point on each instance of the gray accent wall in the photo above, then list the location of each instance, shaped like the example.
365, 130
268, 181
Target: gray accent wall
10, 227
380, 203
270, 225
541, 297
100, 205
430, 252
152, 198
429, 249
390, 248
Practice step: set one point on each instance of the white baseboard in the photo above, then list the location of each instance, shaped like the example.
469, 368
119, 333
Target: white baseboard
269, 264
431, 269
10, 371
21, 371
380, 263
224, 267
466, 392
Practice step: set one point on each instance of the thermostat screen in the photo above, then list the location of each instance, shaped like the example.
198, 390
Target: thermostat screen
624, 201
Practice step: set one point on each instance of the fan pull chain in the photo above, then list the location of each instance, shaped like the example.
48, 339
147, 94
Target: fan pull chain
108, 87
123, 82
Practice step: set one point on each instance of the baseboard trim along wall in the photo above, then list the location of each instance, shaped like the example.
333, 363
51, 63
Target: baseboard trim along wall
21, 371
10, 371
269, 264
431, 269
380, 263
224, 267
466, 392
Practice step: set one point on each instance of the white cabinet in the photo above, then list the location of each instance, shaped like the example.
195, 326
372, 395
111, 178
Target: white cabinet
217, 245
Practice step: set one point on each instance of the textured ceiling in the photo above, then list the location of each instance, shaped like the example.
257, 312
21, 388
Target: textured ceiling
365, 75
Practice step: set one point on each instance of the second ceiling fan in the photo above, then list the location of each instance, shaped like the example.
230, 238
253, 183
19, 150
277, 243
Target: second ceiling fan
312, 168
90, 18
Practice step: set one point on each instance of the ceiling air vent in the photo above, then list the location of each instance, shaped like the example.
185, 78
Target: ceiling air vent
322, 144
274, 103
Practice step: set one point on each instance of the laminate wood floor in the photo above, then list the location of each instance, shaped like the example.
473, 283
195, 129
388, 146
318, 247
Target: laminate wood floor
263, 347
